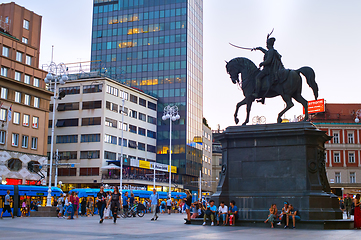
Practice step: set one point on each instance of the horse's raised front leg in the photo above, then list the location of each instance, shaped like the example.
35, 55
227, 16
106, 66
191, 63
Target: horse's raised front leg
289, 104
236, 120
249, 105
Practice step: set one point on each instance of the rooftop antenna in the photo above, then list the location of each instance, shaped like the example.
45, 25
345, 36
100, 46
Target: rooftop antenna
52, 52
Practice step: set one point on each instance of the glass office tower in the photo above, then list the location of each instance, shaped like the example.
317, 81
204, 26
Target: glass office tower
157, 47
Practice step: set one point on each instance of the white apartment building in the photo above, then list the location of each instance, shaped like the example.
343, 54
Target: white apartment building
88, 130
207, 160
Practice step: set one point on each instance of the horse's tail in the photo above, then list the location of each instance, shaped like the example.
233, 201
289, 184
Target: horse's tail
310, 77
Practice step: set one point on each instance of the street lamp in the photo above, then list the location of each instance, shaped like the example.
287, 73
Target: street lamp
56, 74
358, 114
121, 153
171, 113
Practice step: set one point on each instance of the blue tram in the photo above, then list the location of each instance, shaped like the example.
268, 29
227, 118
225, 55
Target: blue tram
29, 194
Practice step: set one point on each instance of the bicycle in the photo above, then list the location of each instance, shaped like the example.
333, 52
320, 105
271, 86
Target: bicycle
137, 209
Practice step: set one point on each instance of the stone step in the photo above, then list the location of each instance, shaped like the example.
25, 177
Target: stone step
44, 212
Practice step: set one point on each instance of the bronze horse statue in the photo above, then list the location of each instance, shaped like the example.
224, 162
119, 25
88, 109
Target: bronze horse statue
288, 88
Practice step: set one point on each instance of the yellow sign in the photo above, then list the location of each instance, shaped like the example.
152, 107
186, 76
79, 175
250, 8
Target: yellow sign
144, 164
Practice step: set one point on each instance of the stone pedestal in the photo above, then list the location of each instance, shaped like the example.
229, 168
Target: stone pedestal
274, 163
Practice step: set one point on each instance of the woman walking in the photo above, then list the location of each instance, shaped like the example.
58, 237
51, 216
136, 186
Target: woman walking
114, 203
357, 211
101, 196
188, 203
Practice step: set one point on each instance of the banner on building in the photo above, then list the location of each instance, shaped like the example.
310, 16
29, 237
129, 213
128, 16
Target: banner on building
315, 106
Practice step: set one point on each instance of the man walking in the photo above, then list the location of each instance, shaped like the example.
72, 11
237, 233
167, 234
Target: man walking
7, 204
169, 205
348, 203
154, 201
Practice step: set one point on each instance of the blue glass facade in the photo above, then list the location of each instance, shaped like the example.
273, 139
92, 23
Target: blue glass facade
157, 46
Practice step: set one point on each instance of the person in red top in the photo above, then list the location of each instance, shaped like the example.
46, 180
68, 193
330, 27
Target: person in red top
357, 211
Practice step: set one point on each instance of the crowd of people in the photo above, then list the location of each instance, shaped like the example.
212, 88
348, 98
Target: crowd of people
109, 203
351, 206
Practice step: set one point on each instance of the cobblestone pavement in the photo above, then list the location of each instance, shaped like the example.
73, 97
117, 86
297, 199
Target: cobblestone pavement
166, 227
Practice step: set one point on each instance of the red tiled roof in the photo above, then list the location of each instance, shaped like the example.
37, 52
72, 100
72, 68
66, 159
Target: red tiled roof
338, 112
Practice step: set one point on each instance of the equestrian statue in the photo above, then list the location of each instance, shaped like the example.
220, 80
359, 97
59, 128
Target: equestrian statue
270, 81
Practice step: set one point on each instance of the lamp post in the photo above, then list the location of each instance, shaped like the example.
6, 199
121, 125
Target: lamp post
171, 113
56, 74
121, 153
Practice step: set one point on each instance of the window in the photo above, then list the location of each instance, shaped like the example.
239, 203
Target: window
351, 157
151, 134
336, 138
152, 120
27, 79
124, 142
132, 113
112, 90
2, 137
34, 143
142, 117
18, 97
110, 155
70, 90
27, 99
26, 24
67, 172
67, 139
17, 76
124, 95
141, 131
110, 139
36, 82
141, 146
350, 138
4, 93
352, 177
336, 157
337, 177
111, 106
142, 102
24, 40
28, 60
151, 148
91, 121
132, 144
19, 56
5, 51
92, 88
152, 106
89, 154
35, 122
16, 119
68, 155
25, 142
92, 105
132, 129
15, 139
4, 71
70, 122
88, 171
36, 102
26, 119
123, 126
133, 98
90, 138
68, 106
3, 114
15, 164
111, 122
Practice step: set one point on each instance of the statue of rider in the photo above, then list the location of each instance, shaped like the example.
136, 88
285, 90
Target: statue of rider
271, 64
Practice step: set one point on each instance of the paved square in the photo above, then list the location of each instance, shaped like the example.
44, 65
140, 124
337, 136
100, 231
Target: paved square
166, 227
